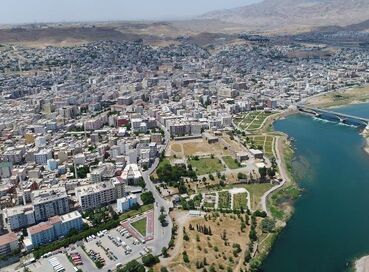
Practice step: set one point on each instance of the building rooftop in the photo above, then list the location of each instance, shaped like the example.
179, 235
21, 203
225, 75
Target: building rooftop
40, 227
47, 195
94, 188
8, 238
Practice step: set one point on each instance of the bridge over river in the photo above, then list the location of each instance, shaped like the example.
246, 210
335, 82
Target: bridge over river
332, 115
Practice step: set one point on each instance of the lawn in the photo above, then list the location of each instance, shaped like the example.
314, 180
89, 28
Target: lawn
231, 163
266, 142
224, 200
206, 166
240, 201
253, 120
140, 226
256, 192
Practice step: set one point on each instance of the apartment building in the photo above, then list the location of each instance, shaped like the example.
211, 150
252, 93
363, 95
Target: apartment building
96, 195
19, 217
49, 202
8, 243
54, 228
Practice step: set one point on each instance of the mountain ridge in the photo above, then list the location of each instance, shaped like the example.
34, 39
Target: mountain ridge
295, 14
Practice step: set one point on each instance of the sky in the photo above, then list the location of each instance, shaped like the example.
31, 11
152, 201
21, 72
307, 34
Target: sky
37, 11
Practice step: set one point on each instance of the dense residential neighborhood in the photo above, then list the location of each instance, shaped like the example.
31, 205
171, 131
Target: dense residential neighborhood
109, 137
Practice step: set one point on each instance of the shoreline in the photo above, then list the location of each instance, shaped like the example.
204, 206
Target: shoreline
284, 145
360, 264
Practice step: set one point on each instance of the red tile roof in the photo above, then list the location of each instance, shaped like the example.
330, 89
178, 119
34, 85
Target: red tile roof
8, 238
40, 227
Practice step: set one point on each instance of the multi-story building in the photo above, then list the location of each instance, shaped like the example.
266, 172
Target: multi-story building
95, 195
131, 174
8, 243
19, 217
42, 156
126, 203
49, 202
54, 228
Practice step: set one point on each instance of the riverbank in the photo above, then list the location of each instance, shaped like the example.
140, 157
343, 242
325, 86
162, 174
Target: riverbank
339, 98
279, 200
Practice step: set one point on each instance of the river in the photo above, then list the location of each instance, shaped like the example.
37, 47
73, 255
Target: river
330, 226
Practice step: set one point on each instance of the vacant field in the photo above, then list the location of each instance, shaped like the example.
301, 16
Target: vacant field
197, 147
176, 148
207, 251
240, 201
224, 200
140, 226
231, 162
205, 166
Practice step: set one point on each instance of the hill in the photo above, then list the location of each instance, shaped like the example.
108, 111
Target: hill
295, 15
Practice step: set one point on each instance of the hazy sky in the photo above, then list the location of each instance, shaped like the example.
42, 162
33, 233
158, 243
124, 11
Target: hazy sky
31, 11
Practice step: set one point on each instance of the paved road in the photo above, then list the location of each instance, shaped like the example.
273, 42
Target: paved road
162, 234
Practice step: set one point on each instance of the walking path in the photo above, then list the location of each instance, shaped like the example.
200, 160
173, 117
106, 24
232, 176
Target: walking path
282, 171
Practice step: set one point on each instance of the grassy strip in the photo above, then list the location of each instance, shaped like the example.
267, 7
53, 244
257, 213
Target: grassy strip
231, 163
224, 200
140, 226
240, 201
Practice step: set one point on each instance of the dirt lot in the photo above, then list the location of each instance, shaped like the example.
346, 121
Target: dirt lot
201, 147
212, 247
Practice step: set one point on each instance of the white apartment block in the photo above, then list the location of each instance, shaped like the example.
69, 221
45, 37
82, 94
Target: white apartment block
96, 195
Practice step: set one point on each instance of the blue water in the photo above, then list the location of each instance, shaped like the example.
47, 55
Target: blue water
330, 226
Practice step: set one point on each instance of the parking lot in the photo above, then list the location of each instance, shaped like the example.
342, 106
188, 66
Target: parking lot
45, 264
116, 248
110, 248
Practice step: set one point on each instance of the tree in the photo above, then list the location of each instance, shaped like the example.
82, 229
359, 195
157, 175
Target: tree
263, 172
271, 172
186, 259
150, 260
268, 225
132, 266
255, 265
147, 198
163, 220
164, 252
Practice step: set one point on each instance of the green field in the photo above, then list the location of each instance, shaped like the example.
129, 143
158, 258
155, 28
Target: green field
265, 142
140, 226
256, 192
224, 200
252, 120
230, 162
206, 166
240, 201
